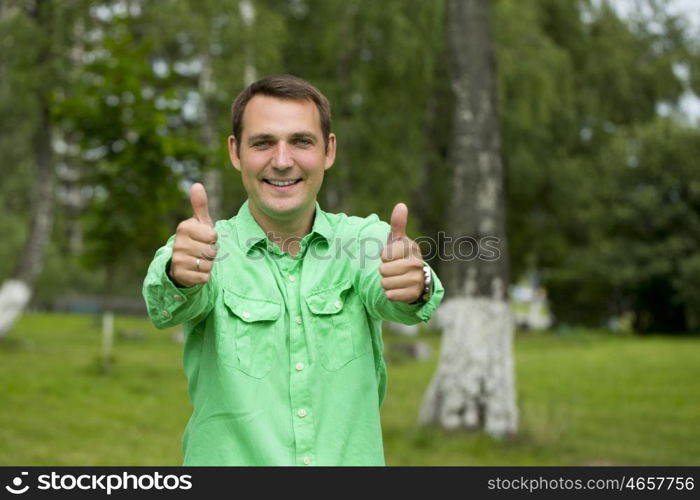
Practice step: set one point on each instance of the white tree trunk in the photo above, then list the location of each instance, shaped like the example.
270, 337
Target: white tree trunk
211, 177
474, 386
107, 341
17, 290
247, 11
14, 297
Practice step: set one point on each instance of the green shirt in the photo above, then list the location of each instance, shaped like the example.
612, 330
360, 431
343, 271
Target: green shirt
284, 355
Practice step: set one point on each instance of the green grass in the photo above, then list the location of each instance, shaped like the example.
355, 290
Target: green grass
58, 409
585, 398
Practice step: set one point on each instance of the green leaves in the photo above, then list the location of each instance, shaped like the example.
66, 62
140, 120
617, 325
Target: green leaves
595, 191
602, 195
645, 218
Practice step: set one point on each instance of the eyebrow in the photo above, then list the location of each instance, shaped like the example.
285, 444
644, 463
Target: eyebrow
296, 135
305, 135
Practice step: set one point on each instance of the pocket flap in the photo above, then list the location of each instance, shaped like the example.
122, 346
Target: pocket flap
249, 309
328, 300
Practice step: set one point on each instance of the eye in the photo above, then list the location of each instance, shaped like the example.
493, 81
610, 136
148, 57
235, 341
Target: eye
262, 144
302, 141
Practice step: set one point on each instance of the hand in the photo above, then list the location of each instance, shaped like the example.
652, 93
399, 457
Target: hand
402, 262
193, 249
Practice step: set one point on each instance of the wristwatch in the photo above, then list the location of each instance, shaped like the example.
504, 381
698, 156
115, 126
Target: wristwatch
427, 286
427, 282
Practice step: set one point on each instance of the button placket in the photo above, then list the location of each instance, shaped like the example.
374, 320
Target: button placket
299, 383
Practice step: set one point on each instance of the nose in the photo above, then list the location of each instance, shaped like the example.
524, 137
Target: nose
282, 158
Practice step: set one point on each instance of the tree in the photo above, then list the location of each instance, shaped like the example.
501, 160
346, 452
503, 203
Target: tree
474, 385
49, 25
570, 116
645, 212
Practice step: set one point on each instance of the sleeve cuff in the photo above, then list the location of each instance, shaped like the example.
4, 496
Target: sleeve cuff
172, 291
422, 310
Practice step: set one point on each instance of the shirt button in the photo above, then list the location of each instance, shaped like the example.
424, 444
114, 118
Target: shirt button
246, 315
298, 320
299, 366
178, 297
338, 304
291, 278
307, 460
301, 413
166, 314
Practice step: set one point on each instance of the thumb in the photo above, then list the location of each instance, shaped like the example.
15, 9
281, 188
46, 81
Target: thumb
200, 205
399, 217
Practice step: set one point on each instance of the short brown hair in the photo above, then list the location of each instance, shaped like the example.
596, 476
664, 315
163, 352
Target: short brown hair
282, 87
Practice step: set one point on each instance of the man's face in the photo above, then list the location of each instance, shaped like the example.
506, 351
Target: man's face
282, 156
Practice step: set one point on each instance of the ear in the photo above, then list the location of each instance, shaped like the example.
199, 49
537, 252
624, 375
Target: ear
330, 152
233, 154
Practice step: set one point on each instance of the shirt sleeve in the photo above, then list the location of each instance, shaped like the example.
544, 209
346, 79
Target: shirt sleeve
169, 305
371, 240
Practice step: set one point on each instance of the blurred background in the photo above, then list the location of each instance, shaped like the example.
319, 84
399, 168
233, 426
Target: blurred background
111, 109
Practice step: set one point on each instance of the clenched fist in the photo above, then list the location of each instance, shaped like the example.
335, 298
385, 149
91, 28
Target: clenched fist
193, 249
402, 262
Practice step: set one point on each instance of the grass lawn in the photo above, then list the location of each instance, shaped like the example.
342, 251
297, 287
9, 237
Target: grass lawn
585, 398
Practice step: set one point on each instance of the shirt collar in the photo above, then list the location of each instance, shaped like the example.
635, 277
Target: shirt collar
250, 233
321, 225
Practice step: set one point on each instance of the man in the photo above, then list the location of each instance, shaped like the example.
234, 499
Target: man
282, 318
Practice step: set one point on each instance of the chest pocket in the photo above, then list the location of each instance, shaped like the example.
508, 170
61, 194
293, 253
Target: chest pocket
245, 339
339, 325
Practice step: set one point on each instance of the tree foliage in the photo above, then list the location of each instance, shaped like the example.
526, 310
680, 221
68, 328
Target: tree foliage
579, 86
133, 144
597, 181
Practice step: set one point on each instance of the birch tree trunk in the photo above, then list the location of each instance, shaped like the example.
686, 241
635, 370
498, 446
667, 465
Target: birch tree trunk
474, 386
16, 291
212, 176
247, 11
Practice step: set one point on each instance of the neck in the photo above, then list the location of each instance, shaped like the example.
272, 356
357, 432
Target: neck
287, 233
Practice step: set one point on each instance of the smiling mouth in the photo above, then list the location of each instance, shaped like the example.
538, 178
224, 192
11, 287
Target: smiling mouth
282, 183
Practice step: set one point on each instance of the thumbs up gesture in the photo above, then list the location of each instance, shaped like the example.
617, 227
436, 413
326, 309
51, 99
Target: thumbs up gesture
193, 249
402, 263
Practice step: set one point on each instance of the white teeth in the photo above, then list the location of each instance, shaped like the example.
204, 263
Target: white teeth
281, 183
